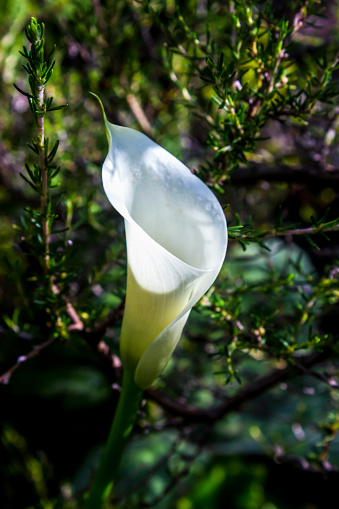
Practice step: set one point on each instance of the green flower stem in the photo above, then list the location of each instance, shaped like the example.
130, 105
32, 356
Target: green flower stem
129, 401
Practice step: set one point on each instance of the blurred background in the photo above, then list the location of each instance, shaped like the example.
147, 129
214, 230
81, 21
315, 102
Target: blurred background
275, 445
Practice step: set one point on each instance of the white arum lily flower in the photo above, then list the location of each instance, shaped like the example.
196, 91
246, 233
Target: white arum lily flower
176, 238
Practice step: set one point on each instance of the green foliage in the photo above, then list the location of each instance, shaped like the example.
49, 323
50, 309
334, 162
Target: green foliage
245, 94
250, 75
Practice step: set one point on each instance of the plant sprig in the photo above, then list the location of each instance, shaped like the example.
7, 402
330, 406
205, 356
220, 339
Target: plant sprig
246, 234
39, 176
238, 86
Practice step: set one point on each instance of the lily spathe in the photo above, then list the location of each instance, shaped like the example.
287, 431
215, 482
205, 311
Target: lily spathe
176, 237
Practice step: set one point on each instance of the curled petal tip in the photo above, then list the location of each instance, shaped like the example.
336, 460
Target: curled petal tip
101, 105
103, 115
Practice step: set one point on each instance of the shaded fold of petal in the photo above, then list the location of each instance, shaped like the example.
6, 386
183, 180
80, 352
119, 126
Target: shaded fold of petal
160, 290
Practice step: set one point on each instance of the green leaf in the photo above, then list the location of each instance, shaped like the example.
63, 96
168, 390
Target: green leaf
55, 172
48, 75
33, 148
58, 107
49, 103
48, 72
50, 54
30, 173
52, 153
28, 182
26, 94
62, 230
220, 61
311, 242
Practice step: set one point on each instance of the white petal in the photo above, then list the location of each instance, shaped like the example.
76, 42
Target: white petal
176, 242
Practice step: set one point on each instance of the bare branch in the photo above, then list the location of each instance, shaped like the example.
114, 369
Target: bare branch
248, 393
284, 173
4, 379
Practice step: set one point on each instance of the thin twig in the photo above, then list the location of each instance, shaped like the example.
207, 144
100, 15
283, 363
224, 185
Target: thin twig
77, 322
139, 113
94, 339
302, 231
44, 174
248, 393
308, 176
4, 379
331, 382
268, 76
